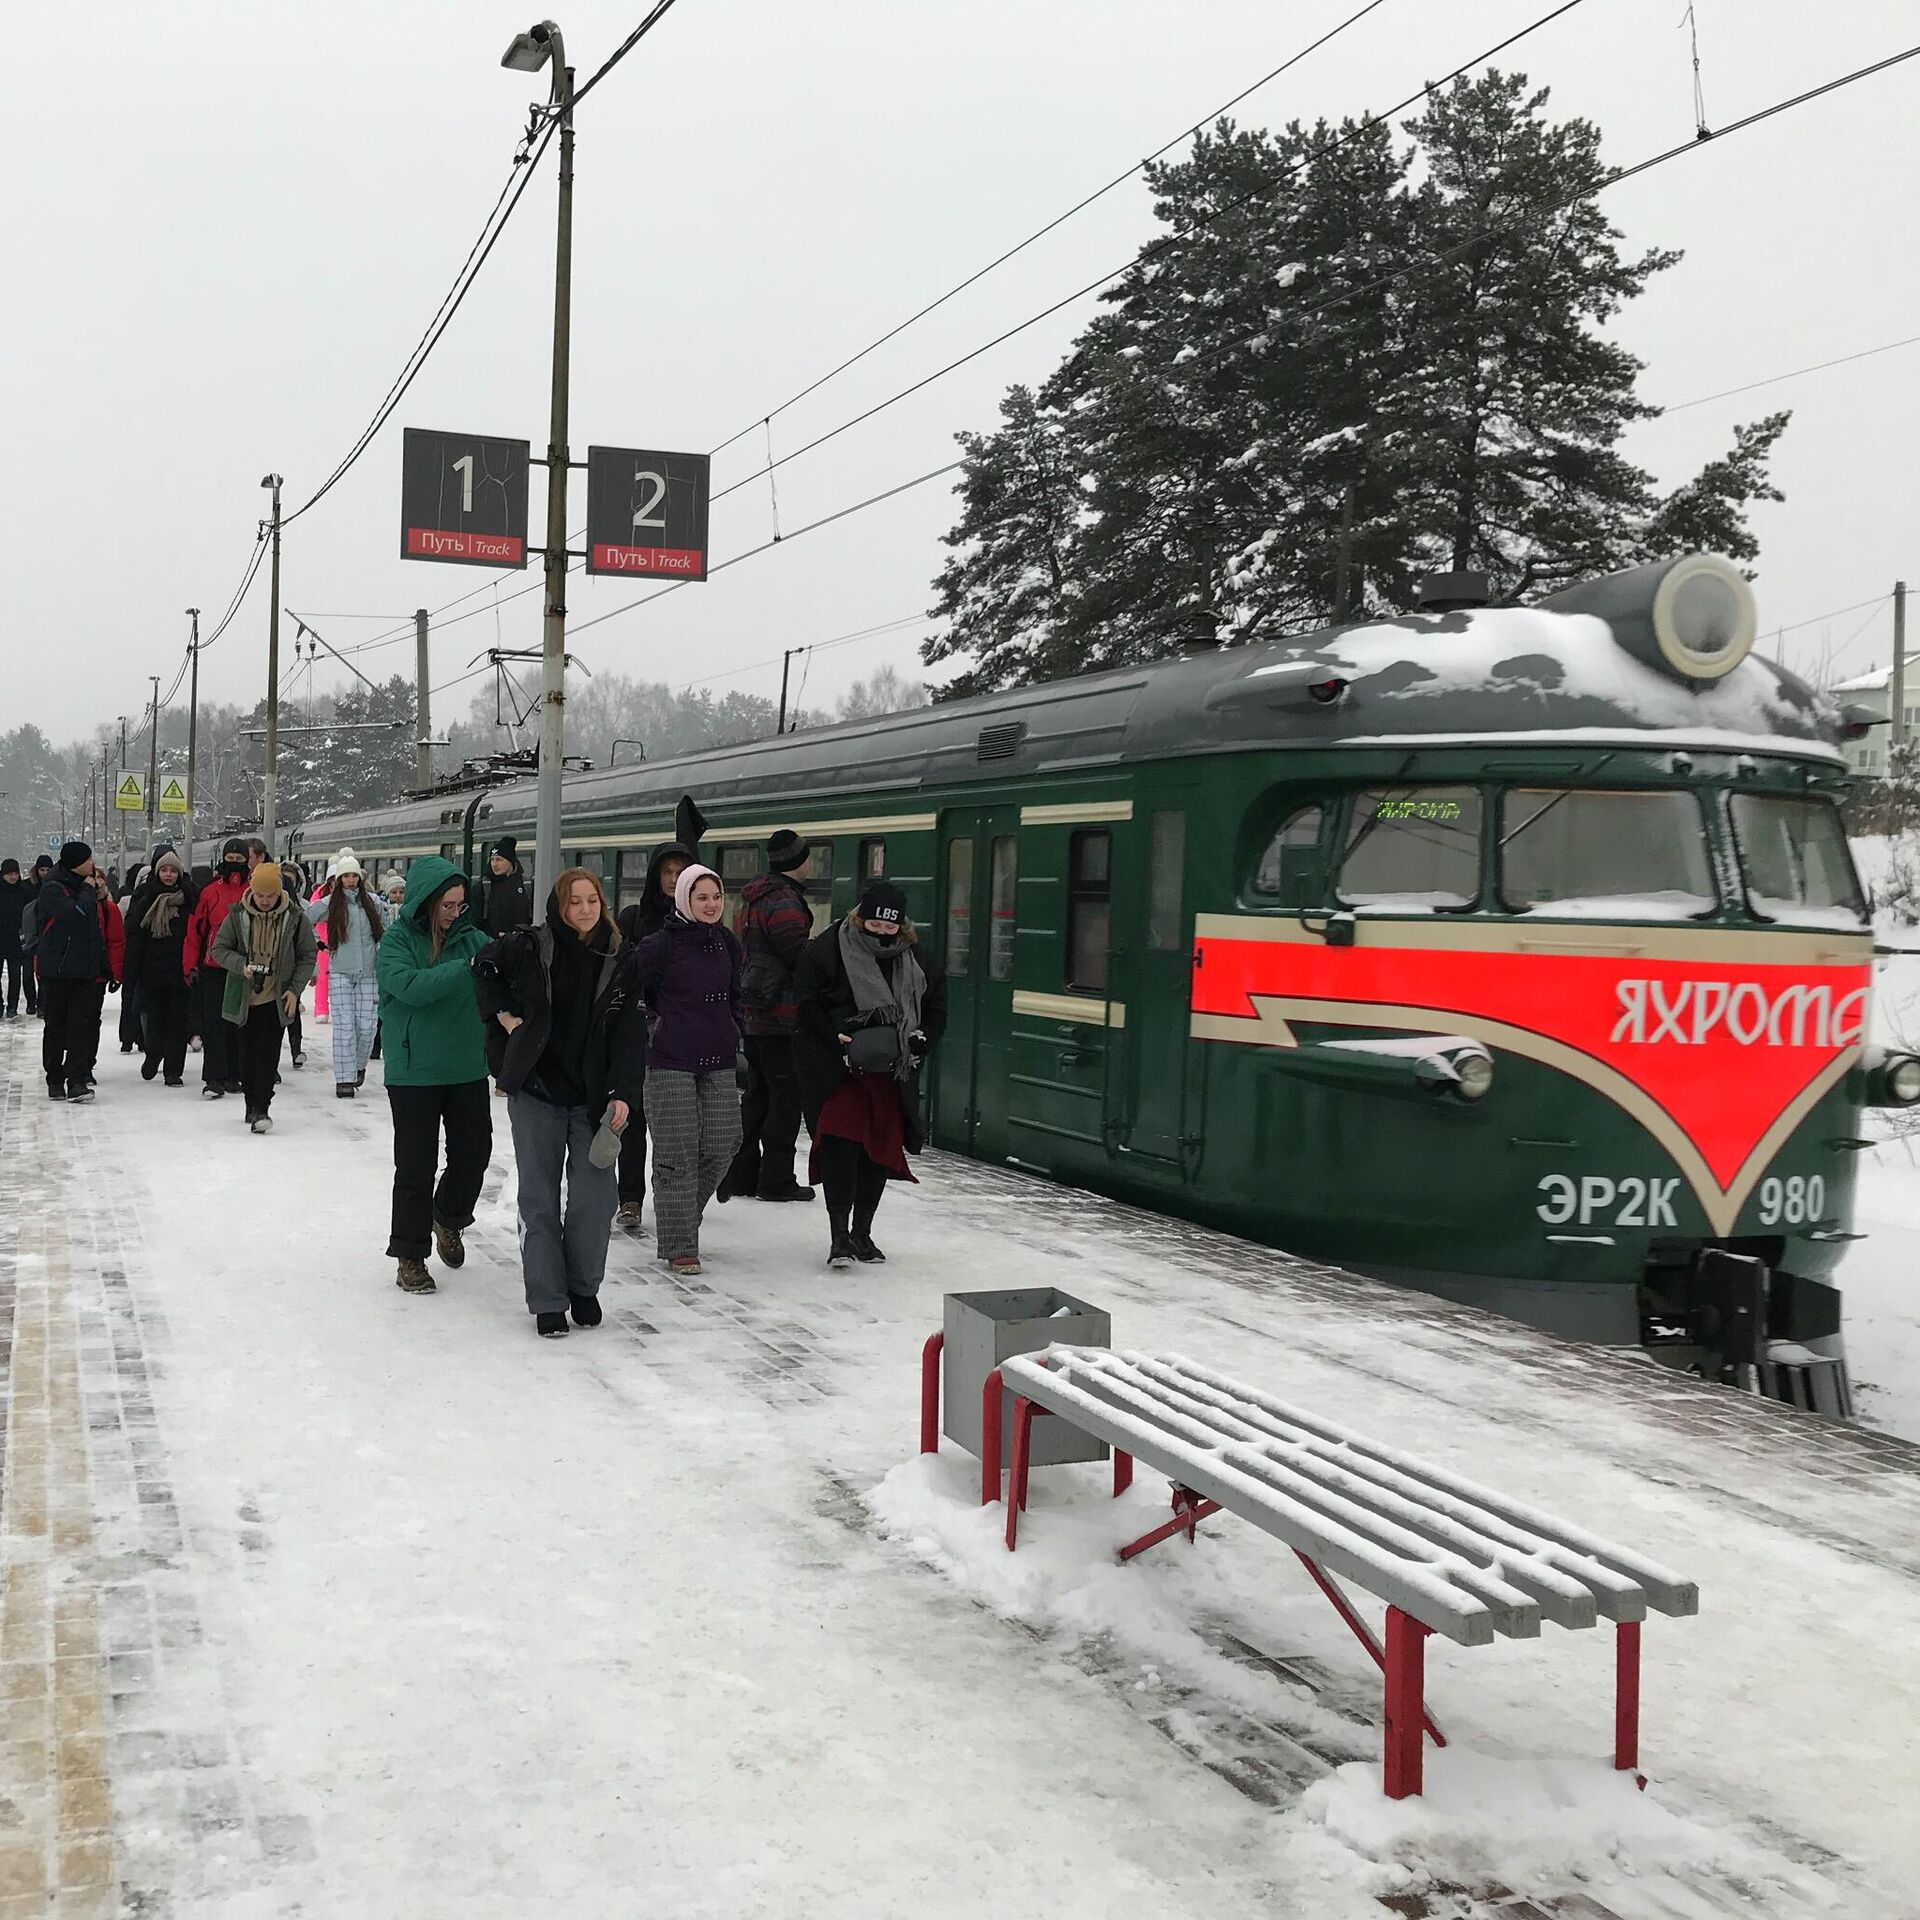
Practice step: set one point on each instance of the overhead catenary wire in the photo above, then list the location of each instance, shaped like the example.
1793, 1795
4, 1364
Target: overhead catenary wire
646, 26
1059, 220
1774, 379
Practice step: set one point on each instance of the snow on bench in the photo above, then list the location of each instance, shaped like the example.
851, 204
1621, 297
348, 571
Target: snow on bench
1446, 1555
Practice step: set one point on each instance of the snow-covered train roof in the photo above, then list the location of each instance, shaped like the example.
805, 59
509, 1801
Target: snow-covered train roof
1493, 675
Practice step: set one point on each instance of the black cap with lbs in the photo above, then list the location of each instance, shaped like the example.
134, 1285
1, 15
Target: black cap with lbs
882, 900
787, 850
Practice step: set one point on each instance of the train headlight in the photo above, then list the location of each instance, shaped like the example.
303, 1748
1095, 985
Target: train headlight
1903, 1080
1476, 1076
1464, 1069
1693, 617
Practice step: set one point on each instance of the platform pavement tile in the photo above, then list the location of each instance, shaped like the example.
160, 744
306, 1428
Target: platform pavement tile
23, 1868
86, 1863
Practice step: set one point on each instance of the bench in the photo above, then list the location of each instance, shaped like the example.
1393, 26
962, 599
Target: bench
1446, 1555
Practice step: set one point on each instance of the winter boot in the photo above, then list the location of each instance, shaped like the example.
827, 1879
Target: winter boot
586, 1309
449, 1245
414, 1277
149, 1069
56, 1089
343, 1089
79, 1093
684, 1266
174, 1080
843, 1253
550, 1326
628, 1216
865, 1251
793, 1192
263, 1123
214, 1090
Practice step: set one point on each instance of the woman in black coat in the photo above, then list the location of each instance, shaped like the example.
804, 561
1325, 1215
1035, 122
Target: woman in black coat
157, 917
872, 1005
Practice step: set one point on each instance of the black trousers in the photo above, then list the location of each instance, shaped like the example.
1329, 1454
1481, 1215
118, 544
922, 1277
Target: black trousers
633, 1155
219, 1041
260, 1055
419, 1114
12, 967
296, 1041
33, 986
854, 1184
166, 1011
131, 1011
71, 1043
769, 1117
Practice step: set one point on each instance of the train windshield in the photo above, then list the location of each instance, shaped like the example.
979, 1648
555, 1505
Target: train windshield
1605, 852
1794, 859
1416, 849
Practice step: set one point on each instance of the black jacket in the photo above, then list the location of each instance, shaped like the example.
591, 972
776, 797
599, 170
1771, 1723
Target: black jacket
827, 1011
506, 904
649, 913
514, 975
152, 962
14, 902
69, 941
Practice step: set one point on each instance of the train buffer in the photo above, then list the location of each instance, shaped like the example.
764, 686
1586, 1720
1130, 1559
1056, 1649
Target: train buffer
1446, 1555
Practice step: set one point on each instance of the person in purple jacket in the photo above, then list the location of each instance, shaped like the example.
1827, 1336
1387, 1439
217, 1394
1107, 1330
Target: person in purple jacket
689, 975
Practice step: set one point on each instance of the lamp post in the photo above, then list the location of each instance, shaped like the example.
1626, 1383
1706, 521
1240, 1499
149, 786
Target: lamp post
269, 809
539, 47
193, 723
153, 758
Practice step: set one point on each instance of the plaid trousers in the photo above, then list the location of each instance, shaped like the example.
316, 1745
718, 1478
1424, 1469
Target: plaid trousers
355, 1012
695, 1122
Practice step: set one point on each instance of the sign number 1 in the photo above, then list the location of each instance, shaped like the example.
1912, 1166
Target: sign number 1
464, 468
644, 515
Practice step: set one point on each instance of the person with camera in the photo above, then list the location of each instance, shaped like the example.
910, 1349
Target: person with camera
267, 951
872, 1005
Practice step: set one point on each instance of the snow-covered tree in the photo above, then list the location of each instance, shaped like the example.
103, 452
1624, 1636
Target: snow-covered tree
885, 690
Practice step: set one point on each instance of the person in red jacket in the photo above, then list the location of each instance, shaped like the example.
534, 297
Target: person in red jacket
219, 1040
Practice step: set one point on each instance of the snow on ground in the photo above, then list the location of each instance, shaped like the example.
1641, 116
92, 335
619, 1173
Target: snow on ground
669, 1619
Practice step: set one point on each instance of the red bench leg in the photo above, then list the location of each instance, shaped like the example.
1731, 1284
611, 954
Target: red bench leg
1626, 1696
930, 1393
1122, 1472
1023, 1412
990, 1397
1406, 1687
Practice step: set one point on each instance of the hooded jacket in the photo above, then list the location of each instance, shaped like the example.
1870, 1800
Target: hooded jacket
504, 901
15, 899
430, 1020
654, 908
516, 975
294, 958
151, 961
76, 934
774, 924
210, 912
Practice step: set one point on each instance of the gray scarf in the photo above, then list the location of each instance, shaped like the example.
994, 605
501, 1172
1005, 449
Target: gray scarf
895, 989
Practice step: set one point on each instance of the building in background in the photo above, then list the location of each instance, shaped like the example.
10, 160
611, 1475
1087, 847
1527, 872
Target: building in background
1872, 692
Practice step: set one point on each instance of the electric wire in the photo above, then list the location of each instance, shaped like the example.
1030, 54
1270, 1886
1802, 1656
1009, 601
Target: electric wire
620, 52
1059, 220
1774, 379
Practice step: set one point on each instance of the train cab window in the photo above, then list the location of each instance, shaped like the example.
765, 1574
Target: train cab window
1166, 858
1794, 859
1414, 849
959, 952
1089, 909
873, 860
1633, 855
1291, 873
1002, 906
738, 865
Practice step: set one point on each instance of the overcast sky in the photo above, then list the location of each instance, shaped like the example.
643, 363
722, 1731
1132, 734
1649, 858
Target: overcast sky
229, 223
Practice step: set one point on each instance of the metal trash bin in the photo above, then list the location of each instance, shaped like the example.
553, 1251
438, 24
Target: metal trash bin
981, 1330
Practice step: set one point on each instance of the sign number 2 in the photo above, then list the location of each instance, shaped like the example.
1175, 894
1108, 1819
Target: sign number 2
644, 515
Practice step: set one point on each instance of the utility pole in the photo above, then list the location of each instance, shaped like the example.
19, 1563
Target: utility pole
153, 759
422, 707
1897, 692
786, 662
269, 805
193, 722
120, 819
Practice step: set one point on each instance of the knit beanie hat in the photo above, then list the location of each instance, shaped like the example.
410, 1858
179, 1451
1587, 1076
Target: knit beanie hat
43, 864
166, 857
392, 878
786, 850
75, 855
882, 900
683, 889
506, 848
228, 848
346, 864
265, 878
9, 866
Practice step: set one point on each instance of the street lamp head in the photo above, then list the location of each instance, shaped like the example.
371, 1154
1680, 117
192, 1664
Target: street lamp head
531, 50
270, 480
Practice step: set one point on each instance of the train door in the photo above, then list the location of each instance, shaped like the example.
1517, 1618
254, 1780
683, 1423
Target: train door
1153, 965
979, 873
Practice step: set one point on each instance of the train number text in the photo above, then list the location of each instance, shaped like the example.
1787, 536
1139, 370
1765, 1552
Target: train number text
1792, 1202
1594, 1198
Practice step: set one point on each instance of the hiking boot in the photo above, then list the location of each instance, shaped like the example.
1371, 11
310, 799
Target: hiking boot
629, 1214
794, 1192
865, 1251
414, 1277
448, 1244
550, 1326
585, 1308
843, 1253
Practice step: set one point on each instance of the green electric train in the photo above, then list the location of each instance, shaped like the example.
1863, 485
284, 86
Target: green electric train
1511, 953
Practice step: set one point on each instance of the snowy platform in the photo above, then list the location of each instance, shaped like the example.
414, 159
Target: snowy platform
318, 1599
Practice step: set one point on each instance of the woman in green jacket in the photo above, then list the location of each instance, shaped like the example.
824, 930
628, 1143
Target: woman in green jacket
435, 1052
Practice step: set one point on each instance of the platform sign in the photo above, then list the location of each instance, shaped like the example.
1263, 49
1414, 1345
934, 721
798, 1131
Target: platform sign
647, 512
463, 499
53, 843
130, 796
173, 797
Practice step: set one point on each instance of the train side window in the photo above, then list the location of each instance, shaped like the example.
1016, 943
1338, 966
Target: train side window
1166, 861
738, 865
1002, 907
818, 884
959, 907
1291, 873
1636, 855
1415, 849
1089, 909
873, 860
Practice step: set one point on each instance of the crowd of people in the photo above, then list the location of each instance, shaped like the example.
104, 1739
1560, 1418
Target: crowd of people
605, 1036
